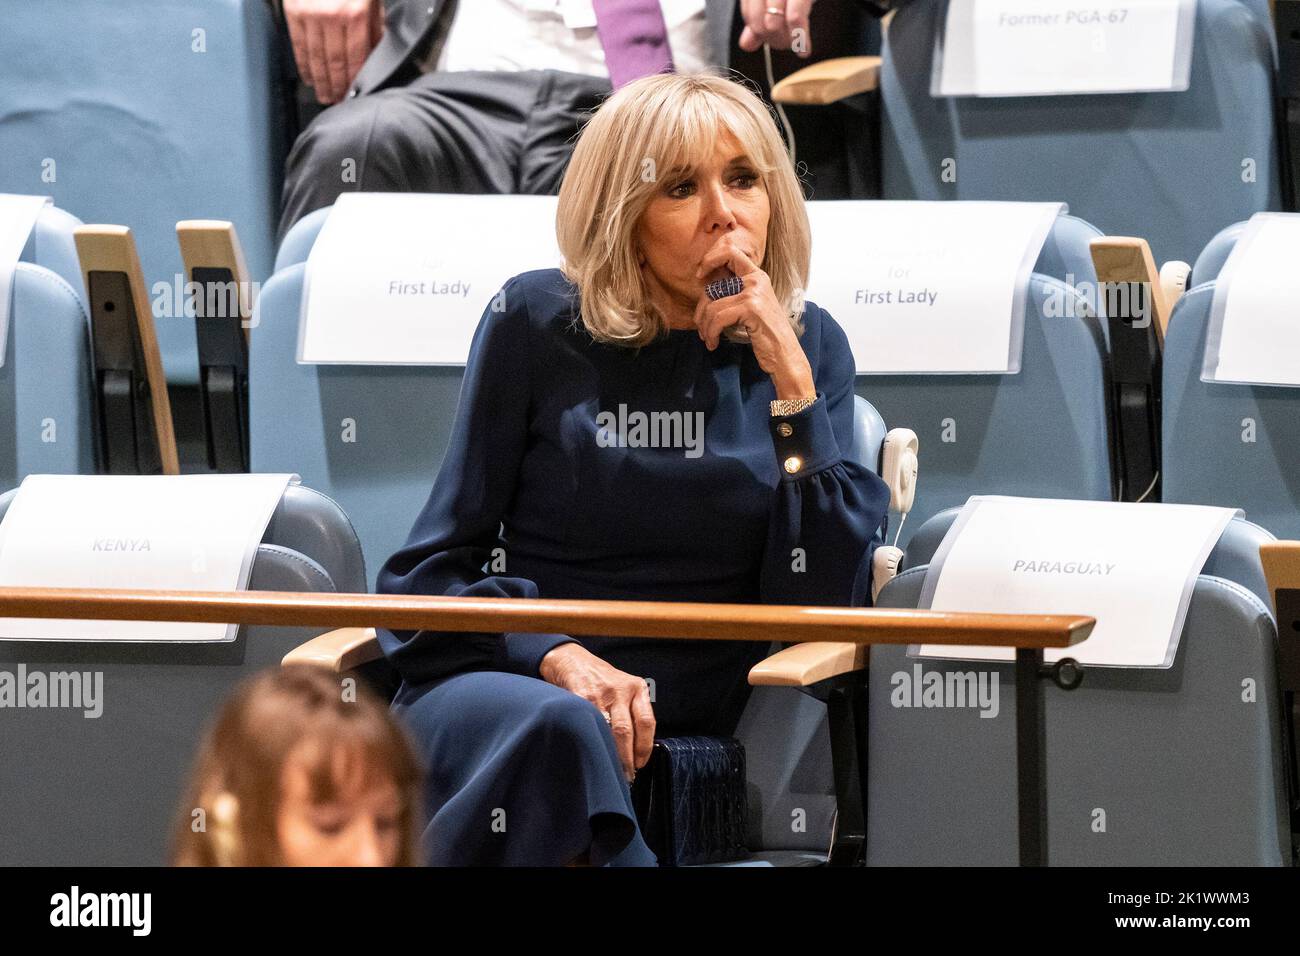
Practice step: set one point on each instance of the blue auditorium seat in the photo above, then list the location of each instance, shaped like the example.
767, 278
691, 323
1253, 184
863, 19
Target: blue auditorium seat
402, 415
104, 791
1186, 772
143, 113
1206, 459
46, 388
1164, 166
1043, 432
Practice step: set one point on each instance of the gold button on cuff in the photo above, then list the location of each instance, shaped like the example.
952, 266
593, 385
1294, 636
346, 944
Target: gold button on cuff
784, 430
793, 464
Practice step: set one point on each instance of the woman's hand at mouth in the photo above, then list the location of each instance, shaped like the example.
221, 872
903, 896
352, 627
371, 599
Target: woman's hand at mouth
757, 312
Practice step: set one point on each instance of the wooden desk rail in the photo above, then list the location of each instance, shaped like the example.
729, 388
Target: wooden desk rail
718, 622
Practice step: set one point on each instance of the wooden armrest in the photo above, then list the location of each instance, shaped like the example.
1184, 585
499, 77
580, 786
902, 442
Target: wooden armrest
806, 664
213, 244
110, 268
344, 649
1281, 560
1127, 260
829, 81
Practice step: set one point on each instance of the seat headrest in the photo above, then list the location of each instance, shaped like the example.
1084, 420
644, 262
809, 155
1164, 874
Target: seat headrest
868, 433
52, 246
297, 244
283, 569
1067, 252
313, 524
1210, 262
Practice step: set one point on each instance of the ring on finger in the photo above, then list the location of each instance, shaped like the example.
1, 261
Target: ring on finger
725, 288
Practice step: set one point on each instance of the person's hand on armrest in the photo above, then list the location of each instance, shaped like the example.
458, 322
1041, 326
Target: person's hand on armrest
331, 39
622, 698
781, 31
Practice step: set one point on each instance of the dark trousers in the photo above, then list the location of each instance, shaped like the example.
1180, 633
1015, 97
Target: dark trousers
445, 132
518, 773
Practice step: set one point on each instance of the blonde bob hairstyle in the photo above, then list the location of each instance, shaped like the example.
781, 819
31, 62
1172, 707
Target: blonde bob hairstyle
656, 130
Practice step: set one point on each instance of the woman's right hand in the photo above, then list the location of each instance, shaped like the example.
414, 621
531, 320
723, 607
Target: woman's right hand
625, 699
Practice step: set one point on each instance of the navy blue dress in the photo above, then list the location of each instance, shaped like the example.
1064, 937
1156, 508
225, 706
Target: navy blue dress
561, 482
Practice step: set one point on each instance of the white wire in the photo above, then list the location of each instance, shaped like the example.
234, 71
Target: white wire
899, 532
1150, 487
785, 122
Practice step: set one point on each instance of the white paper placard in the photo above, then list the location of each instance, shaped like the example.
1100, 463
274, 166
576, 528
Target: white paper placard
1253, 336
174, 532
1055, 47
1131, 566
403, 279
18, 215
928, 287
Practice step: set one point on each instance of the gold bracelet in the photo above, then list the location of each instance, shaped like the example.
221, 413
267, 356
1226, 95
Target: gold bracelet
790, 406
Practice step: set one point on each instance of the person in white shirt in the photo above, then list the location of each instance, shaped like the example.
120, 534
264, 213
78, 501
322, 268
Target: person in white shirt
487, 96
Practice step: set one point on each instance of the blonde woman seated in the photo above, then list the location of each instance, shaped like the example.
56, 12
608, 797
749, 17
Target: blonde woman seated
622, 435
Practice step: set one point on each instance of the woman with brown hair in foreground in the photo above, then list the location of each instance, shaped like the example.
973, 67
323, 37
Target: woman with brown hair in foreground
301, 769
